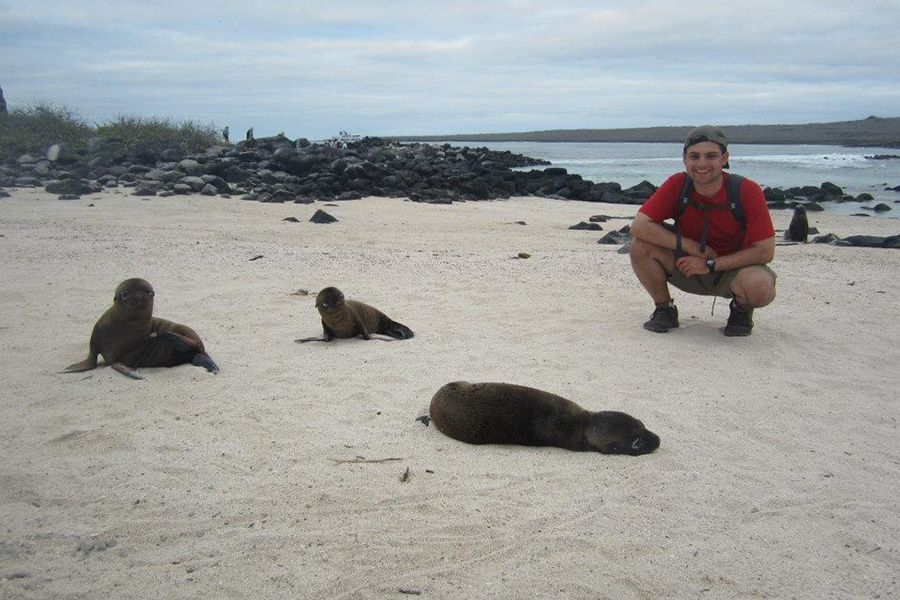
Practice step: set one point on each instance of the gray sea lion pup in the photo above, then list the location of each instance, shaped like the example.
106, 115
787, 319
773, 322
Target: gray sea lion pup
502, 413
344, 318
128, 336
798, 230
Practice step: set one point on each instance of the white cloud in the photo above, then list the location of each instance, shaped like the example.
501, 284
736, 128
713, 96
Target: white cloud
310, 68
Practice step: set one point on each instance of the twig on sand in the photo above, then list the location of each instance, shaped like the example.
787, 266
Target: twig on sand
360, 459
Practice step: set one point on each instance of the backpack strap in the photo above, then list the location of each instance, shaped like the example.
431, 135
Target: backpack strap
734, 199
732, 190
684, 198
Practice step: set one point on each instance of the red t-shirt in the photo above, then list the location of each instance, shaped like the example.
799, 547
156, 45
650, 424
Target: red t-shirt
724, 231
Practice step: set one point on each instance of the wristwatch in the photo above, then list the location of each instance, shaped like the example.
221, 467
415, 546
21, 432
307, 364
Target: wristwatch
711, 264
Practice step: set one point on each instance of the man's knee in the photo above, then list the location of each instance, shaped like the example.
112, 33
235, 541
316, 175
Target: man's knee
639, 248
754, 286
642, 251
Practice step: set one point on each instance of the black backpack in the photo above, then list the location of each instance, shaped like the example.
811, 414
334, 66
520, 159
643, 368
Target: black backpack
733, 190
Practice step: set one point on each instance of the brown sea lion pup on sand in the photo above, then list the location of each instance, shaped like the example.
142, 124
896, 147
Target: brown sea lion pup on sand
348, 318
128, 336
798, 230
502, 413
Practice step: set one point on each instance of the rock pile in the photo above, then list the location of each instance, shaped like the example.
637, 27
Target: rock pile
278, 169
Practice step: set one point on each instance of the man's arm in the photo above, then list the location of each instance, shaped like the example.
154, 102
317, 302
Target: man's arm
646, 229
758, 253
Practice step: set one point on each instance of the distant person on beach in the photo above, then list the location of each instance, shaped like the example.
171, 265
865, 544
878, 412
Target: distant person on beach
2, 102
714, 248
225, 135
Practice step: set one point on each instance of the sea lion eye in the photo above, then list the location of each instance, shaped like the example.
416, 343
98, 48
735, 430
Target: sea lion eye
151, 293
123, 294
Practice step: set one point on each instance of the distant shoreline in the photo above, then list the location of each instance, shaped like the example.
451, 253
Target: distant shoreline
872, 131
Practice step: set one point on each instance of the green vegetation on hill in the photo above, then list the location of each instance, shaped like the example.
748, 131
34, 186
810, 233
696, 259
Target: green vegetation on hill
872, 131
32, 129
190, 135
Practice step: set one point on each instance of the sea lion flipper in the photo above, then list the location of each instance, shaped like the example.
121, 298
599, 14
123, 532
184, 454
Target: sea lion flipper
328, 335
201, 359
85, 365
127, 371
180, 342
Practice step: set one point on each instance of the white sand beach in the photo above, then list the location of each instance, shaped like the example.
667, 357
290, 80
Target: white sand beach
777, 474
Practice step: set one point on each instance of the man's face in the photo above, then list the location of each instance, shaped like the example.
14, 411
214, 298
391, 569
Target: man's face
704, 162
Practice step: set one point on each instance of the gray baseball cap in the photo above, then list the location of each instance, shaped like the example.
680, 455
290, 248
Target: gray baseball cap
706, 133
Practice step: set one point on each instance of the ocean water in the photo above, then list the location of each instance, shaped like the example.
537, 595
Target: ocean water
781, 166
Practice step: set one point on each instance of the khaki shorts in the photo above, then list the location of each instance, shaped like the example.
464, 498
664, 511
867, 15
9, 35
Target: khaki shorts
711, 284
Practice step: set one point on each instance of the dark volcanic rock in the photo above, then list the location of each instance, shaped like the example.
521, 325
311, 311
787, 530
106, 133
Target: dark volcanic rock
615, 237
71, 186
275, 169
142, 190
861, 241
643, 190
348, 196
829, 189
321, 216
587, 226
62, 153
614, 197
873, 241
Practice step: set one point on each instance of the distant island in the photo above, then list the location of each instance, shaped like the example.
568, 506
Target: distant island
871, 131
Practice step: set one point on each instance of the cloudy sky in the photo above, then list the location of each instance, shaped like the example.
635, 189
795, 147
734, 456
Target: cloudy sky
421, 67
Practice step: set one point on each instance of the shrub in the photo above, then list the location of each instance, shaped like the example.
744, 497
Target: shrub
33, 128
190, 135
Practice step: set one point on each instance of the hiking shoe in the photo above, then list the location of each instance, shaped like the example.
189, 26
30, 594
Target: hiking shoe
740, 321
663, 319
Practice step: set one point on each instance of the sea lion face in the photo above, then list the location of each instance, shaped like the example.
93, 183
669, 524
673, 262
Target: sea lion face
610, 432
330, 298
134, 297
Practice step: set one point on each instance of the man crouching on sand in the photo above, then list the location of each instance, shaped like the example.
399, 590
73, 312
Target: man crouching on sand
720, 243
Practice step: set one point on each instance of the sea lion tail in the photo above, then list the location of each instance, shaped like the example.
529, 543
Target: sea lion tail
202, 359
398, 331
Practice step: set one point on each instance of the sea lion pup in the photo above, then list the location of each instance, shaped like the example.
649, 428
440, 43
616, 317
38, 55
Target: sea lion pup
128, 336
502, 413
798, 230
348, 318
